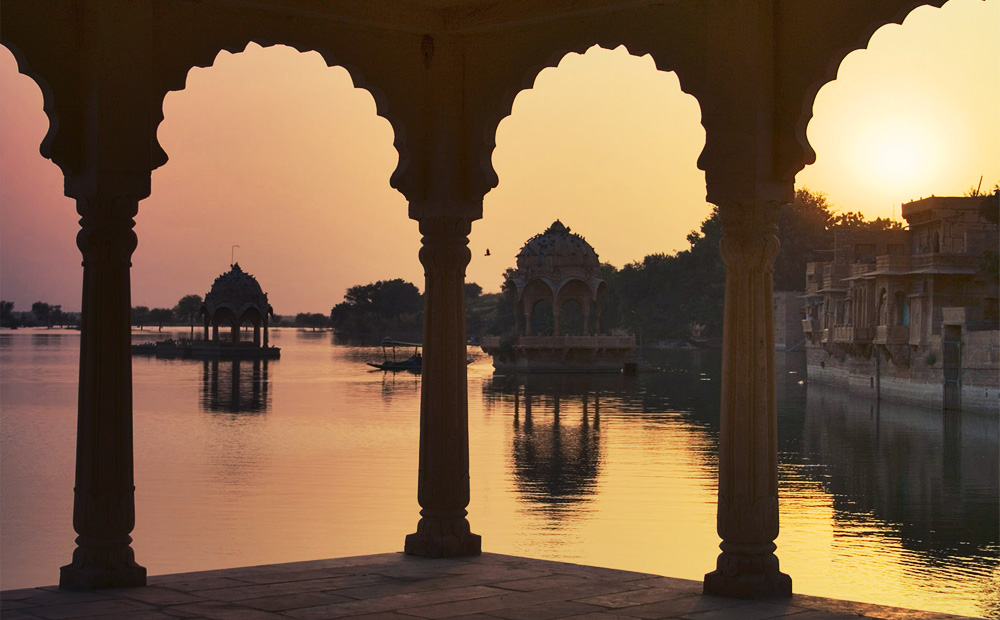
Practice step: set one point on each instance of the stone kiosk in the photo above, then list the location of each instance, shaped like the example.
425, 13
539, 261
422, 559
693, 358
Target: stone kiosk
236, 299
444, 73
555, 269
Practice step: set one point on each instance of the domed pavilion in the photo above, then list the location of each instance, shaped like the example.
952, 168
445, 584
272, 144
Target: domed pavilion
558, 276
236, 299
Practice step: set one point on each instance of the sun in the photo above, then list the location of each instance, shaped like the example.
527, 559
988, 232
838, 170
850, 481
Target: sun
900, 154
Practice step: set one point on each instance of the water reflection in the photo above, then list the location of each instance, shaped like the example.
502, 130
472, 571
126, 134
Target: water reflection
556, 453
933, 475
235, 386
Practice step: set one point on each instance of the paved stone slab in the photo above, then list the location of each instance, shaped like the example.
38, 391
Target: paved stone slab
399, 587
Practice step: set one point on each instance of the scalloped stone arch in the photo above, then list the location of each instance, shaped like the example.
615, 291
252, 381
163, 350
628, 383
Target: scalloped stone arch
829, 74
529, 74
175, 80
48, 101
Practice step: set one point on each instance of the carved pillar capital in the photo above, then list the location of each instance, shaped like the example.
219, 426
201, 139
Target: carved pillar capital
106, 237
445, 243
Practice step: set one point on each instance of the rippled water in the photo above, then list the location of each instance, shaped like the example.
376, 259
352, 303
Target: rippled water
315, 455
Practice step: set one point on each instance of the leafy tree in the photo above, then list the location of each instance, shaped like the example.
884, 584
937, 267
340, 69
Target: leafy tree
161, 316
371, 309
188, 309
42, 312
57, 316
311, 319
472, 290
7, 313
140, 316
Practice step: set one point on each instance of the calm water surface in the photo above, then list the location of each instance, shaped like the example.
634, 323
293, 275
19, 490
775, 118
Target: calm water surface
315, 455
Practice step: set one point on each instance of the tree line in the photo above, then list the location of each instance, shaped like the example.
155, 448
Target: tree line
41, 315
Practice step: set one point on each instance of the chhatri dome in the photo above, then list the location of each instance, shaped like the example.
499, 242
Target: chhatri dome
557, 250
237, 290
558, 293
557, 266
236, 298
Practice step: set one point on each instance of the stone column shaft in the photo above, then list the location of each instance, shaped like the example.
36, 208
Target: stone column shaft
443, 479
748, 454
104, 494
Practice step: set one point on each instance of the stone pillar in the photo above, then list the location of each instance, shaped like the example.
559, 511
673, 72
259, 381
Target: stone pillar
104, 494
443, 479
256, 334
236, 331
748, 453
556, 327
585, 306
215, 332
206, 327
265, 330
528, 311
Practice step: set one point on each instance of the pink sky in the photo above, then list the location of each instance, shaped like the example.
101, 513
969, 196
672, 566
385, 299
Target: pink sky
275, 152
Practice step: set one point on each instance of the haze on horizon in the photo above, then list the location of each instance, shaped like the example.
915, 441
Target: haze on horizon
275, 152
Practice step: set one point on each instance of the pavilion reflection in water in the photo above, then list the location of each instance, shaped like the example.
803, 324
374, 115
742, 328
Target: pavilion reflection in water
556, 454
235, 386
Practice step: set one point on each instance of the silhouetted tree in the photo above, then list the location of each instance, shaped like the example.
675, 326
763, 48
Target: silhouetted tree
57, 316
370, 309
7, 314
161, 316
187, 309
472, 290
42, 312
140, 316
311, 319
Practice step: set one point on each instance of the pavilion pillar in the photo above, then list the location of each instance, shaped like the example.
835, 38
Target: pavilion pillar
265, 330
443, 478
104, 493
748, 454
256, 334
556, 327
585, 306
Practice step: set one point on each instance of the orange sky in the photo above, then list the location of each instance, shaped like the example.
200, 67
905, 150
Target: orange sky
277, 153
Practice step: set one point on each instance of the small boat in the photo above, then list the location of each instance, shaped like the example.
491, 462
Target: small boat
412, 363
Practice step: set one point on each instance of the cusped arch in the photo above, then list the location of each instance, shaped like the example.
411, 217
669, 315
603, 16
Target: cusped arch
25, 68
523, 71
864, 23
204, 54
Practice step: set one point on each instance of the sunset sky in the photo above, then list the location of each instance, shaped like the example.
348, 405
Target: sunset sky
275, 152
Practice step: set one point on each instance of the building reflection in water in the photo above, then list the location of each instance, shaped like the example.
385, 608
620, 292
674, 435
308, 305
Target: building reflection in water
235, 386
556, 455
933, 475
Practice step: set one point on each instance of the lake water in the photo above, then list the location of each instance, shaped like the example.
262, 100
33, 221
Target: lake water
315, 455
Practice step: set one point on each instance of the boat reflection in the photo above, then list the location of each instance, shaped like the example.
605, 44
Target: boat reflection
235, 386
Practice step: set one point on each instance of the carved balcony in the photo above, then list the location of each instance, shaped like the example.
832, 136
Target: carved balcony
892, 334
811, 326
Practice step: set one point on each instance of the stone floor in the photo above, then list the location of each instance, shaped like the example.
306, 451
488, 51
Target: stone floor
397, 586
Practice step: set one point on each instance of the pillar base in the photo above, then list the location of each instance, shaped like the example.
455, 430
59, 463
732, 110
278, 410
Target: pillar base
72, 577
776, 585
94, 569
748, 571
443, 539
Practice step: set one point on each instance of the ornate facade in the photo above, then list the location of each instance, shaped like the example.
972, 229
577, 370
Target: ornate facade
444, 73
910, 315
